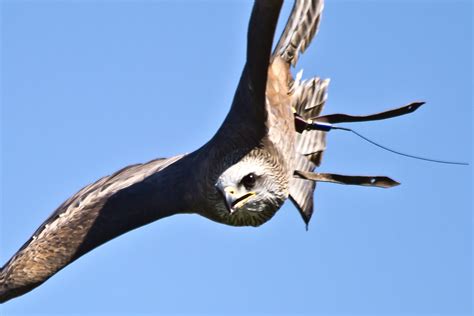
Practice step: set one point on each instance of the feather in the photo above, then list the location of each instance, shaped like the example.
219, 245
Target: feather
308, 101
96, 210
140, 194
300, 29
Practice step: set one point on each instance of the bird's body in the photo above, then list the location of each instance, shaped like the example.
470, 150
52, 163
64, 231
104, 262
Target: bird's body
241, 177
274, 152
256, 142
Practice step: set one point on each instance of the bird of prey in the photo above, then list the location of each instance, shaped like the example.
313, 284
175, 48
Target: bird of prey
264, 153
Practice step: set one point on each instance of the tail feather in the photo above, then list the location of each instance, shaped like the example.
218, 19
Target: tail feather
301, 190
308, 99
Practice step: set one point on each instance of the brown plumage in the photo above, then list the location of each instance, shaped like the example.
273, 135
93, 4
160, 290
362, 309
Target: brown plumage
241, 177
257, 134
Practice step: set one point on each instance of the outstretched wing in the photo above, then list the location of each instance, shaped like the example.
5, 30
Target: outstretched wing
113, 205
300, 29
140, 194
248, 112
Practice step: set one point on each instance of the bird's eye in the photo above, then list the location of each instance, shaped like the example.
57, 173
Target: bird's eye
249, 181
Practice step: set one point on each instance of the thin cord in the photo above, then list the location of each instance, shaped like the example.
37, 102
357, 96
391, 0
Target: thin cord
397, 152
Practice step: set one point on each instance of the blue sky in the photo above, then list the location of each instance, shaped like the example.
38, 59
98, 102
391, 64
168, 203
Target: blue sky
88, 87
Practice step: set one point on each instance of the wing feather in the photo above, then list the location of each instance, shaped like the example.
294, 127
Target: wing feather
248, 107
300, 29
94, 215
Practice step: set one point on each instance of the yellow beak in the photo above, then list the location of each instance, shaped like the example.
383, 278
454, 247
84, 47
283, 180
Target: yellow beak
233, 199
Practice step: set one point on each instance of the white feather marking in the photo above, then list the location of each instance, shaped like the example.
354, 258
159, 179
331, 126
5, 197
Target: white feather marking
298, 77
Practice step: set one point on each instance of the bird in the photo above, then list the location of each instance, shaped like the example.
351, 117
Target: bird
265, 152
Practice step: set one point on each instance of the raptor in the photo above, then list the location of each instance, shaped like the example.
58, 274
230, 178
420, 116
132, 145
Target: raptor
264, 153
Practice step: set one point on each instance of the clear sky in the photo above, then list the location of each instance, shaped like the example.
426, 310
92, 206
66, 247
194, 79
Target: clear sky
91, 86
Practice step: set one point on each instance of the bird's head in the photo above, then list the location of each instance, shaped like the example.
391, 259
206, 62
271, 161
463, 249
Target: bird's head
251, 191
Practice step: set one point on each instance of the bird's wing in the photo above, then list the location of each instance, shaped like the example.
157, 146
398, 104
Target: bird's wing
300, 29
246, 120
113, 205
140, 194
260, 34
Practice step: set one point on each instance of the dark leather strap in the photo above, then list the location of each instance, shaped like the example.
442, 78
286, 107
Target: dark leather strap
346, 118
371, 181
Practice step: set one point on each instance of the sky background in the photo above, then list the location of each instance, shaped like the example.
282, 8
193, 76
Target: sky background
88, 87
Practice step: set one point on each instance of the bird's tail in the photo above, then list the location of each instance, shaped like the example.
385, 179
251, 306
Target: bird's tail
300, 29
308, 98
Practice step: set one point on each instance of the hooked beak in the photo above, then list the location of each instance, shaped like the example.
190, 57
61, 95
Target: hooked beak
232, 199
